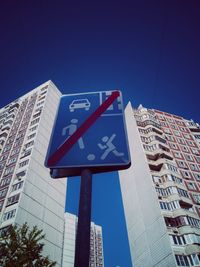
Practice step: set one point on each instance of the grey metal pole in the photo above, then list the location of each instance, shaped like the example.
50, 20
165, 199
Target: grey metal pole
82, 251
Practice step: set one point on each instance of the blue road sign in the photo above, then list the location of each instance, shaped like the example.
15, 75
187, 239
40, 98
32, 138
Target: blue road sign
89, 132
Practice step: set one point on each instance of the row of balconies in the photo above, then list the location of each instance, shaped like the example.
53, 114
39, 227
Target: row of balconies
180, 212
148, 123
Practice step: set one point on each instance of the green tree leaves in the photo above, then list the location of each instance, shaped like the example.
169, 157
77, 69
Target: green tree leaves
22, 247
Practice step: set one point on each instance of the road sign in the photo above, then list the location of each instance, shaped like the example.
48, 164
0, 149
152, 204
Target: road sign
89, 132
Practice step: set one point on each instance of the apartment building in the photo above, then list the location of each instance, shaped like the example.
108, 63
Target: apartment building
27, 192
96, 242
161, 190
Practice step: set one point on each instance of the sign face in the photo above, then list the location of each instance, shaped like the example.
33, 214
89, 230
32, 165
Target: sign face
89, 132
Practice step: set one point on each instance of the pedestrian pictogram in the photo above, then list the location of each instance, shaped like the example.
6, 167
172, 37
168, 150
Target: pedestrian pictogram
89, 132
71, 128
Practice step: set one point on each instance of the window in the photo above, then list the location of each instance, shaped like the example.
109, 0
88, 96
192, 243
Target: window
182, 164
177, 133
3, 192
193, 222
15, 151
167, 191
37, 114
174, 127
187, 136
18, 142
184, 149
3, 157
197, 136
2, 165
5, 181
156, 179
186, 174
194, 167
188, 157
174, 205
9, 215
181, 141
170, 205
17, 186
41, 97
175, 179
191, 143
197, 176
167, 131
182, 129
23, 163
12, 200
33, 128
195, 259
10, 140
182, 260
170, 120
20, 134
163, 123
7, 148
9, 170
182, 192
31, 136
182, 221
164, 205
177, 154
192, 238
1, 204
177, 240
195, 151
40, 103
196, 198
197, 159
12, 160
35, 121
170, 138
191, 186
173, 146
26, 153
29, 144
171, 167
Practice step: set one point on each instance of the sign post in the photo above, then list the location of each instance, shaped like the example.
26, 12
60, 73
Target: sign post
82, 250
89, 136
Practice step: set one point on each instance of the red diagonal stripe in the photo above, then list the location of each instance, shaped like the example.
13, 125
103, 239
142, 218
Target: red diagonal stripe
68, 143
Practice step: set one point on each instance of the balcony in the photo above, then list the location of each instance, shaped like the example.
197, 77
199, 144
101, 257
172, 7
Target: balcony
13, 110
187, 229
192, 249
185, 202
5, 129
154, 167
157, 156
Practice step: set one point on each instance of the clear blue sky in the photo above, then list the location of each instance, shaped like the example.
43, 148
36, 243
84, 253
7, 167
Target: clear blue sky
147, 49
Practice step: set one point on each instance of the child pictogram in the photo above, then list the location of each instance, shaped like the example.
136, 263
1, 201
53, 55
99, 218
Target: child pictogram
109, 147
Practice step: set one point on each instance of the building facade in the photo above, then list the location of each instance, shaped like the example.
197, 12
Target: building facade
161, 190
96, 242
27, 193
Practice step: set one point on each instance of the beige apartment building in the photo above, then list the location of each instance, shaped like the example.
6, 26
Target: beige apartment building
161, 190
27, 192
96, 242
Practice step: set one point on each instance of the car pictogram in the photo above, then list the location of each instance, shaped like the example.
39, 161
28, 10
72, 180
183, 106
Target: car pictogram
79, 103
